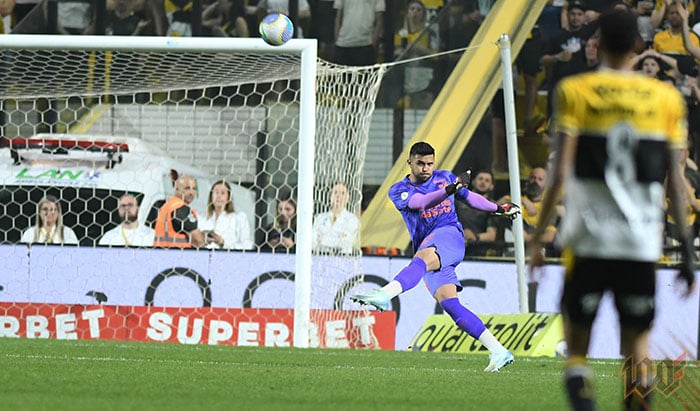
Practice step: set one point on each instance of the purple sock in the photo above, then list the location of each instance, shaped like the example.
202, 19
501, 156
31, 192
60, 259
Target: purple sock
465, 319
410, 276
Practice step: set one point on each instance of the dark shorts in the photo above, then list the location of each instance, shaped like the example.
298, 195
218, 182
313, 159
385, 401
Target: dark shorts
528, 61
449, 246
693, 115
325, 21
633, 284
498, 106
355, 56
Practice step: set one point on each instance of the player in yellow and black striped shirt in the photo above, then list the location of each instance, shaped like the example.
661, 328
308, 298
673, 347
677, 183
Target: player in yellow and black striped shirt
618, 136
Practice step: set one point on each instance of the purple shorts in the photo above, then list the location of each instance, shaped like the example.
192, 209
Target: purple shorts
449, 245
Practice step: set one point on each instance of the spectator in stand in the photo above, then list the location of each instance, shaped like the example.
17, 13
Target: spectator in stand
485, 7
75, 17
7, 16
691, 91
687, 65
177, 222
595, 7
266, 7
130, 18
336, 231
660, 12
48, 227
499, 151
433, 8
692, 176
550, 21
644, 9
358, 26
226, 18
677, 40
130, 232
224, 227
281, 234
457, 27
179, 17
651, 63
620, 5
532, 196
648, 63
156, 11
692, 188
591, 53
416, 39
23, 8
528, 63
323, 27
565, 53
480, 227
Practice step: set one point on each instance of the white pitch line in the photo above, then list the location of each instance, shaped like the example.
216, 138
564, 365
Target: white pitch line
249, 364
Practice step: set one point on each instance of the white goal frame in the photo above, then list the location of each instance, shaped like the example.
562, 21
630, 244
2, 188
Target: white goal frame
306, 48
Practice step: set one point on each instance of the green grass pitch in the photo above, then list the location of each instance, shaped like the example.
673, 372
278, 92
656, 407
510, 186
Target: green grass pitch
92, 375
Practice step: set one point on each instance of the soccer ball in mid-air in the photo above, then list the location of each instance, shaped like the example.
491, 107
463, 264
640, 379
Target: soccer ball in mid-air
276, 29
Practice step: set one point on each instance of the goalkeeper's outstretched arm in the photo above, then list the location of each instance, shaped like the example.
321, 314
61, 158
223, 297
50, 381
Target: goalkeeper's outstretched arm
420, 201
479, 202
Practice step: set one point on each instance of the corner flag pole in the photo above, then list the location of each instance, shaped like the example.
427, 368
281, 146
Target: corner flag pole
513, 167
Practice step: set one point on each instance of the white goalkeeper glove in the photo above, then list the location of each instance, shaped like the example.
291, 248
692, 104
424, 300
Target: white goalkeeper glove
509, 210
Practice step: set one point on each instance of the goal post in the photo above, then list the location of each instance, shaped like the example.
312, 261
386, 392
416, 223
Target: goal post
143, 87
305, 211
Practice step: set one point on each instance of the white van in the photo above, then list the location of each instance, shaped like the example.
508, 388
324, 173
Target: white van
88, 174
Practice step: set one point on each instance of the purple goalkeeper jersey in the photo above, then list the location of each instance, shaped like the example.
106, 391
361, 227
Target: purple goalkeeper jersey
421, 223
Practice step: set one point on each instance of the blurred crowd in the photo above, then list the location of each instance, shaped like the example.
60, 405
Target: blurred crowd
349, 32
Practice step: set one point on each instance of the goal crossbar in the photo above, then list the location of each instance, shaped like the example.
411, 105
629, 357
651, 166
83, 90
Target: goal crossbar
152, 43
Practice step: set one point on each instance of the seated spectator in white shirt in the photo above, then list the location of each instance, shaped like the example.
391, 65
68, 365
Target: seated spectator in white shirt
48, 227
336, 231
130, 232
223, 226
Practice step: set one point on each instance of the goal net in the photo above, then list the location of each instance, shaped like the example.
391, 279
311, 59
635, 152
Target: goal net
87, 120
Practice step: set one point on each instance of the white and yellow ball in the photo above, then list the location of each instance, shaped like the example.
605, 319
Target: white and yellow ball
561, 350
276, 29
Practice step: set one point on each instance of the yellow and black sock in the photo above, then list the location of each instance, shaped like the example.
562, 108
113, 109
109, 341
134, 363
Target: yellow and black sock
579, 384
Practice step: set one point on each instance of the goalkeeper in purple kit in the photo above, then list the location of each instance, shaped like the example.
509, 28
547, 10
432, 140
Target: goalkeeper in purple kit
425, 199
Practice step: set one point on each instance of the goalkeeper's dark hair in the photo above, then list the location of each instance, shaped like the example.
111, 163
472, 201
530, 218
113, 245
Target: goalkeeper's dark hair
618, 31
422, 148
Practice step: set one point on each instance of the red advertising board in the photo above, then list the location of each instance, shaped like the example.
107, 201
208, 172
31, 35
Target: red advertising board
213, 326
